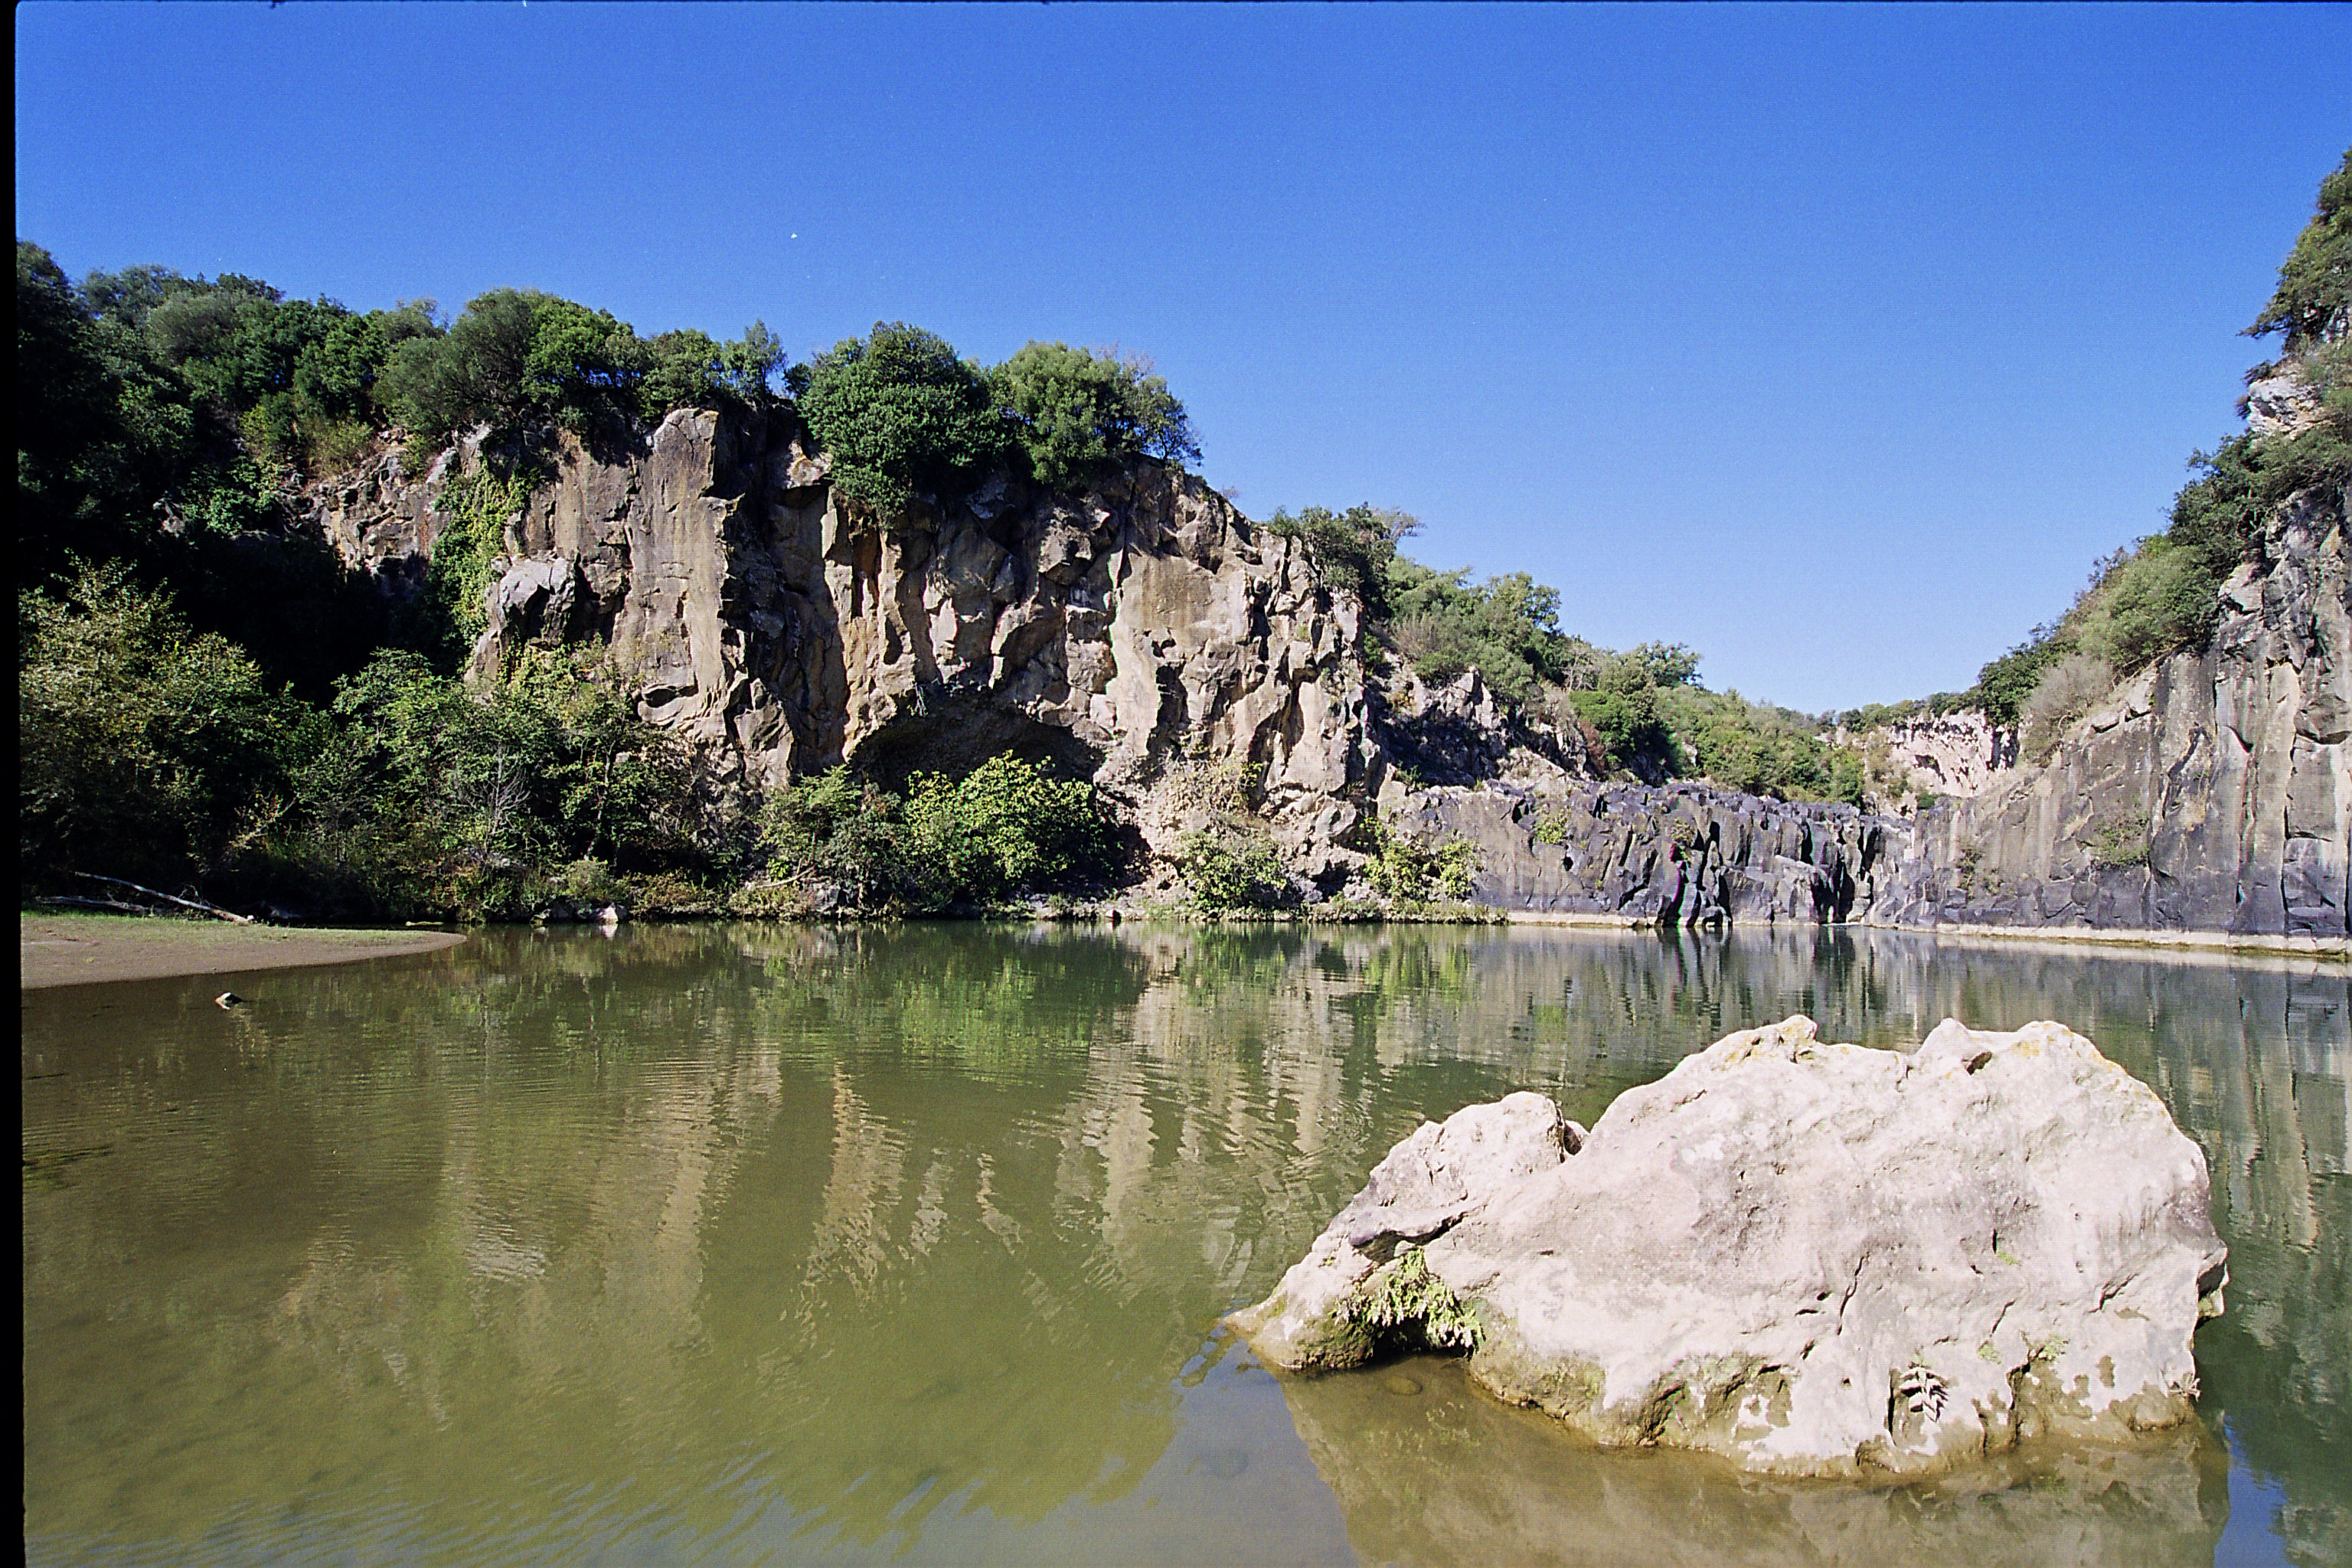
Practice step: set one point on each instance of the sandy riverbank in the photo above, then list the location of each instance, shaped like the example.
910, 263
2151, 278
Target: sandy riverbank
76, 950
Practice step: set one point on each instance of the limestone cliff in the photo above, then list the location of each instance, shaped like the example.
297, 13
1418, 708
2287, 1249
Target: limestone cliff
1141, 631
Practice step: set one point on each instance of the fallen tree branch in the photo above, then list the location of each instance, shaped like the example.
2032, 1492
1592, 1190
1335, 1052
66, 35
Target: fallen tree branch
66, 902
196, 904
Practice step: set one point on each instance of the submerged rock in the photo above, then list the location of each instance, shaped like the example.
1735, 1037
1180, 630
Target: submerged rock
1810, 1258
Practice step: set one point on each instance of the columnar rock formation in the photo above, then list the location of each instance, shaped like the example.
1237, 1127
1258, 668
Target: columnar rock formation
2212, 792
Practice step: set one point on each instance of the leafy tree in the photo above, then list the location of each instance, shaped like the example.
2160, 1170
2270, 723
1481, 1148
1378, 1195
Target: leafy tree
434, 386
143, 747
901, 414
579, 362
691, 369
1507, 628
2314, 286
102, 433
1355, 549
1075, 412
1667, 664
1623, 709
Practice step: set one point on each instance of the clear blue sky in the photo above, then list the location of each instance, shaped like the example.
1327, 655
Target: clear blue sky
1835, 343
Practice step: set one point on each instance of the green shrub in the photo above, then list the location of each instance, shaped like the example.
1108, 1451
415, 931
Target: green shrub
1004, 829
835, 831
2122, 842
671, 895
1230, 870
2070, 688
768, 900
1506, 628
900, 413
1075, 412
2157, 601
1354, 549
1407, 872
1625, 711
143, 748
591, 881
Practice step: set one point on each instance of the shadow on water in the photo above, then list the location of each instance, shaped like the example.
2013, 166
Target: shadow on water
904, 1242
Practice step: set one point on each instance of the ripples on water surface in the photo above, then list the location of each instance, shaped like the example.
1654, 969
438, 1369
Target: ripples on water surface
720, 1244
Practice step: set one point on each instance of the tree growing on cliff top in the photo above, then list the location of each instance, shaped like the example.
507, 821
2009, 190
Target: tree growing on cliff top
1354, 549
1074, 411
2314, 287
900, 413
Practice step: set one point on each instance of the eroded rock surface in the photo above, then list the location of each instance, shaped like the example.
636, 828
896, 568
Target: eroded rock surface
2212, 792
1810, 1258
1138, 629
1682, 854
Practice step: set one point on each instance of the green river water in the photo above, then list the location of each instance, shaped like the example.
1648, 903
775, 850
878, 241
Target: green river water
720, 1244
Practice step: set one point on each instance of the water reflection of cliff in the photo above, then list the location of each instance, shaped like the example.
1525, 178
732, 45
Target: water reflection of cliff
848, 1227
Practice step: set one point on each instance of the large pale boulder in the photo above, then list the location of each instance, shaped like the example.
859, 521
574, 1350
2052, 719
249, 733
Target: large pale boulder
1812, 1259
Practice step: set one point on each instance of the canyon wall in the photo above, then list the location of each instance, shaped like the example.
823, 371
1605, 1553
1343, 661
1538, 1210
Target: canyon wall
1142, 633
2211, 791
1139, 631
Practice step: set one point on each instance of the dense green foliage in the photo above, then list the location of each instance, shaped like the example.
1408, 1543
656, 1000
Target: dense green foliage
143, 746
902, 415
153, 751
1407, 872
1075, 412
846, 845
519, 359
2314, 287
1231, 870
1760, 749
1507, 628
1354, 549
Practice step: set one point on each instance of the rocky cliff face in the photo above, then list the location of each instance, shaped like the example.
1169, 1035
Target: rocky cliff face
1144, 633
2212, 792
1141, 631
1939, 756
1682, 854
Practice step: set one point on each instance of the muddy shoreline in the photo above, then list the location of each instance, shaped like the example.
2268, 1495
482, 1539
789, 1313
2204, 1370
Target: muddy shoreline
84, 950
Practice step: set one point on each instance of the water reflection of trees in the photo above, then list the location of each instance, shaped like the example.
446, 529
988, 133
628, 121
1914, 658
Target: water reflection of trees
873, 1221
